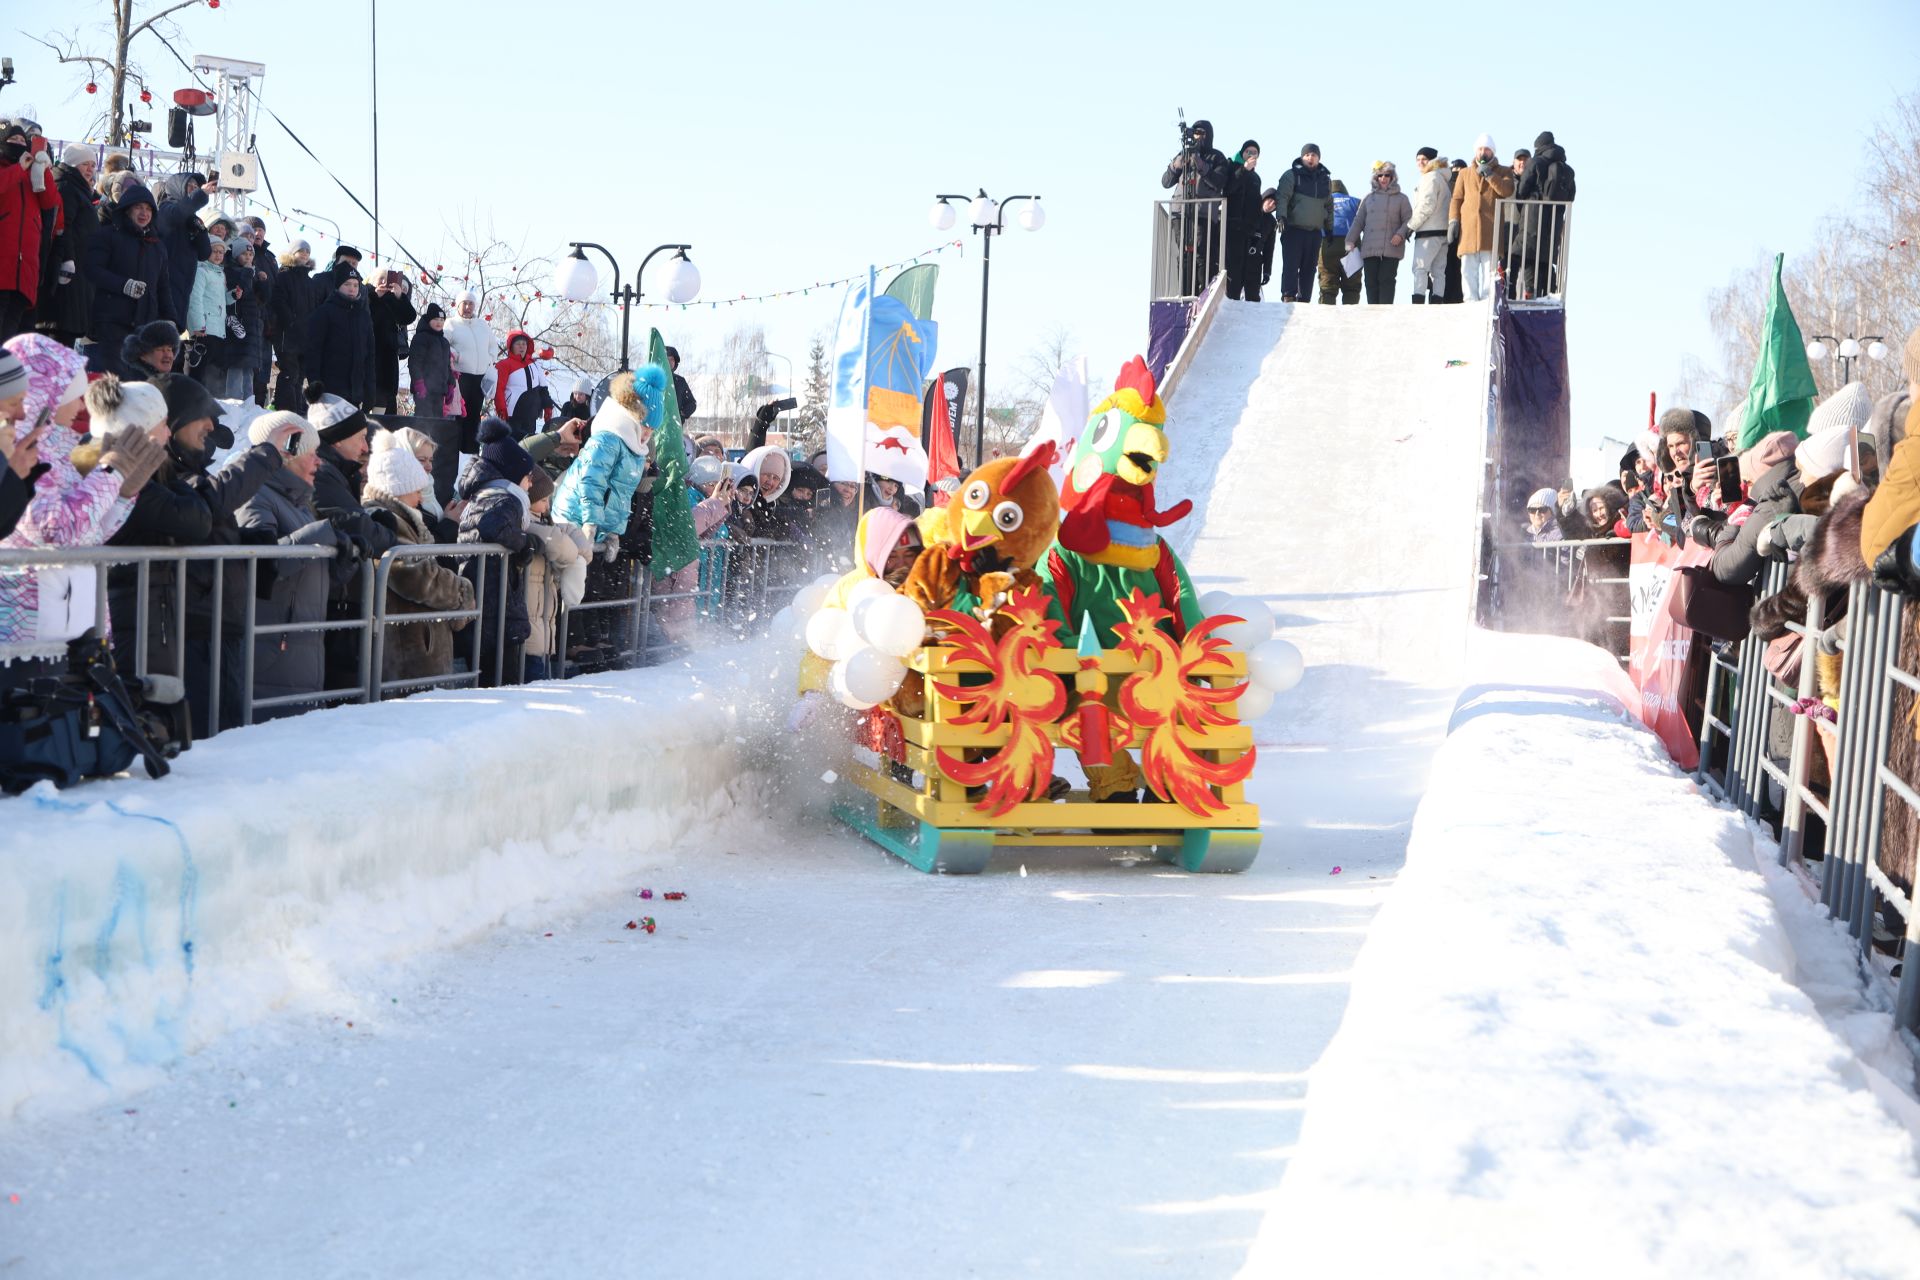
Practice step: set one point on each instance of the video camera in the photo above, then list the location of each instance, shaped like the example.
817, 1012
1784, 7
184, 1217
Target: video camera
89, 722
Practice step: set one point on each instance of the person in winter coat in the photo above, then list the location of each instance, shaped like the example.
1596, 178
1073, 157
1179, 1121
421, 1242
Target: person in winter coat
1199, 172
499, 509
391, 308
682, 393
1548, 176
246, 321
1335, 284
578, 406
207, 319
291, 664
440, 526
1432, 198
295, 295
27, 193
1380, 232
266, 273
396, 482
340, 339
520, 393
1774, 486
430, 363
180, 198
1244, 215
597, 491
474, 349
154, 349
132, 283
1304, 209
1543, 521
67, 299
711, 495
556, 580
1470, 221
166, 513
21, 443
80, 500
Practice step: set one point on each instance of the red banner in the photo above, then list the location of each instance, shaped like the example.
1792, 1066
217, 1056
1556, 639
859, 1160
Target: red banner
1661, 651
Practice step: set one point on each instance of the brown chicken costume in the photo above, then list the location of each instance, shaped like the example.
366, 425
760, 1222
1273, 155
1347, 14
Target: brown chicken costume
998, 525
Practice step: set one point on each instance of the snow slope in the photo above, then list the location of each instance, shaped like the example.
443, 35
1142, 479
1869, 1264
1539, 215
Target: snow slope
1576, 1047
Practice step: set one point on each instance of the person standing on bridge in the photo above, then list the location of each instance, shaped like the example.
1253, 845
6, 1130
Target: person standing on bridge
1380, 232
1470, 215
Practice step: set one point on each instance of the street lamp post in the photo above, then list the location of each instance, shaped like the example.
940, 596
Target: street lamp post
989, 220
1847, 349
575, 280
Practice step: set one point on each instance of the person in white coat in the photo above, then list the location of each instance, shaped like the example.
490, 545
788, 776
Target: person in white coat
1432, 197
474, 351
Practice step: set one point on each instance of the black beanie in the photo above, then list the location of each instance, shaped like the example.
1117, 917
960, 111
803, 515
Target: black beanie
1544, 141
498, 449
1249, 145
336, 419
188, 401
1312, 148
434, 311
1427, 153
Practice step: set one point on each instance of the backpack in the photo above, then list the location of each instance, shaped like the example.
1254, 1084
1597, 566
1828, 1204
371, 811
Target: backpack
1344, 207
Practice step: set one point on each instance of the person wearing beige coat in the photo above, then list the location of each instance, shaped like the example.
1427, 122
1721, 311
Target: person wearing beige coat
1470, 216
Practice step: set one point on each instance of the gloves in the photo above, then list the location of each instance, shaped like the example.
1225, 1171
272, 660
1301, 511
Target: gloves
1895, 569
66, 272
610, 550
37, 172
134, 288
1453, 231
235, 328
132, 457
1768, 544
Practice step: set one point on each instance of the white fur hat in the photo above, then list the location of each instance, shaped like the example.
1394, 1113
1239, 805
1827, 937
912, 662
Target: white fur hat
113, 404
396, 473
261, 430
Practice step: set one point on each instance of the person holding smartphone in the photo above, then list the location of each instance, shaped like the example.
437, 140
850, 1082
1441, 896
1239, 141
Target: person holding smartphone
26, 195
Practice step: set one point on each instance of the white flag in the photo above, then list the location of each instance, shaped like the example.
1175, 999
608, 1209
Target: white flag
847, 411
895, 452
1064, 417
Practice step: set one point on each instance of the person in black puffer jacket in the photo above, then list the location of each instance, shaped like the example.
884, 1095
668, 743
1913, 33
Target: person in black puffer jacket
497, 490
177, 220
340, 338
65, 303
295, 295
127, 267
430, 364
1548, 177
246, 327
391, 311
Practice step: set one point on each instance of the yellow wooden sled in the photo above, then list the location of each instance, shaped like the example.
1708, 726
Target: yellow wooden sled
988, 713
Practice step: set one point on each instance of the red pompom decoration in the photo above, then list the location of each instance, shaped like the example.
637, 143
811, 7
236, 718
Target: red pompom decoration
146, 95
92, 87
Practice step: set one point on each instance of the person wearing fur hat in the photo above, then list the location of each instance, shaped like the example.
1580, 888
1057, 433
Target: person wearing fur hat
340, 338
497, 490
292, 664
67, 298
132, 285
154, 349
27, 192
1432, 197
1380, 232
295, 295
396, 484
1470, 222
597, 491
474, 348
430, 363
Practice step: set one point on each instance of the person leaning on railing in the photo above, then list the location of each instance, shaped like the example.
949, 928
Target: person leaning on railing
396, 484
497, 489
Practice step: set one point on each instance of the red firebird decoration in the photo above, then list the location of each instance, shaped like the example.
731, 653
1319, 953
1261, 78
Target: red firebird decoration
1163, 700
1018, 694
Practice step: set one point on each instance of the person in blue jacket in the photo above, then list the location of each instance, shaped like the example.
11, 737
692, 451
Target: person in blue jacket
1333, 246
596, 492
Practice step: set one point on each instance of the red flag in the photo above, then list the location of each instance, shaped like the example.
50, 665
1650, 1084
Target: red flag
942, 458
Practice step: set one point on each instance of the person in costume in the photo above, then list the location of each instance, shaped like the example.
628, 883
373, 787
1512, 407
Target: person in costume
1110, 544
997, 527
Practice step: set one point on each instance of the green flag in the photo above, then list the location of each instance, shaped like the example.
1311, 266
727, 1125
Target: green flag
674, 545
1781, 396
914, 286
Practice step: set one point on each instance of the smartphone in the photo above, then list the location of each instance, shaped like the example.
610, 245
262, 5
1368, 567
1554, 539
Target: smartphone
1729, 471
36, 144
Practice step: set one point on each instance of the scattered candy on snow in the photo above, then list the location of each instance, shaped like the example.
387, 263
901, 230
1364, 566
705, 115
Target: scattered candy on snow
675, 896
1334, 872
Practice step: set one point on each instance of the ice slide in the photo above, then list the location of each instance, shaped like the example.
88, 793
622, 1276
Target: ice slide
823, 1063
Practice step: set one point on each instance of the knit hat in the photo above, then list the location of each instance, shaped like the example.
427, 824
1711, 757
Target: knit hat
470, 295
1459, 164
188, 401
1428, 153
261, 430
498, 449
335, 419
396, 473
1769, 452
1543, 141
301, 246
434, 311
1824, 454
75, 154
1311, 149
342, 272
1850, 406
542, 486
1543, 500
13, 375
113, 404
1485, 140
239, 244
1248, 145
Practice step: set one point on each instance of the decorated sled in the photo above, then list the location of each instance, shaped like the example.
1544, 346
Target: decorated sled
967, 748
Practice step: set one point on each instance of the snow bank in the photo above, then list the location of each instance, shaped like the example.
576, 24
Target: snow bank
139, 919
1575, 1044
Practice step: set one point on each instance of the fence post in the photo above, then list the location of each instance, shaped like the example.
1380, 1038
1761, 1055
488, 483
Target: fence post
246, 638
1793, 813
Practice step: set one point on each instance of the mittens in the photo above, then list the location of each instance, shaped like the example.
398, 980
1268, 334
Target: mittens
134, 288
1453, 231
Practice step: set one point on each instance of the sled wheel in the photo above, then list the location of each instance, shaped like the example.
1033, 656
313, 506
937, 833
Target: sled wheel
1202, 849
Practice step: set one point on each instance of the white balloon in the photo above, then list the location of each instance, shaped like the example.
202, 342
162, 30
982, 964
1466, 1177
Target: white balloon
892, 624
866, 589
1216, 602
828, 632
810, 599
1275, 664
1255, 701
828, 580
873, 676
842, 692
785, 624
1258, 626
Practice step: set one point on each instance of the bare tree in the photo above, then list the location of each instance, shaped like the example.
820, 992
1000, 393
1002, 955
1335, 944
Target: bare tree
119, 33
1861, 277
734, 377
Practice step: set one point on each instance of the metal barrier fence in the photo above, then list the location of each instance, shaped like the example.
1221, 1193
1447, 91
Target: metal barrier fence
1823, 776
739, 585
1576, 589
1189, 247
1531, 246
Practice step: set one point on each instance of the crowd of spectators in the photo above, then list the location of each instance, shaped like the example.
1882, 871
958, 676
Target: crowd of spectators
1312, 223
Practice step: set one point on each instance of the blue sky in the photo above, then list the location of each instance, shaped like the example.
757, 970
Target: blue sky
793, 143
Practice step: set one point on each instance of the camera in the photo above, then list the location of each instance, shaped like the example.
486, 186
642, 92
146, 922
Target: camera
1705, 527
89, 722
767, 412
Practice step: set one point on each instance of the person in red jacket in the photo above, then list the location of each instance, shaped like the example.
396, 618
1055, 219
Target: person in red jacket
28, 199
520, 393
